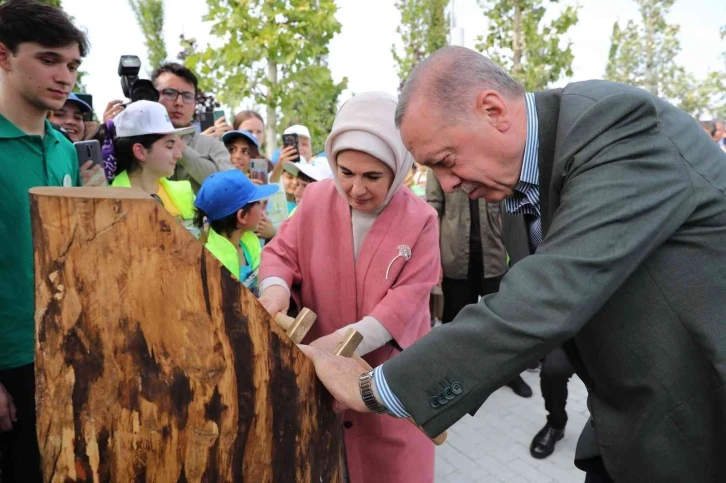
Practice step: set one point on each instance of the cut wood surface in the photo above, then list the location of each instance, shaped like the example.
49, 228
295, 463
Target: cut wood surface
154, 365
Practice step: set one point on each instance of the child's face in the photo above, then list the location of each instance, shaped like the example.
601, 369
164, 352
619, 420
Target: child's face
300, 190
240, 154
253, 216
161, 158
289, 182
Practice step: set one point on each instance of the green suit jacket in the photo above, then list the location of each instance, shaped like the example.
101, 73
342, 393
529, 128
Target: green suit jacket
631, 271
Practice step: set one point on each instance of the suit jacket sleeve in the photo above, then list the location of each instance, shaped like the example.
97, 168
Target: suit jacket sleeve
625, 191
412, 287
434, 194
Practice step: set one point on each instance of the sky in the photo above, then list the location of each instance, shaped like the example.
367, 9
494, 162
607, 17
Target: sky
362, 50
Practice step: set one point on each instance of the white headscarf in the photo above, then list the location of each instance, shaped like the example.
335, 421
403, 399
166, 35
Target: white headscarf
366, 123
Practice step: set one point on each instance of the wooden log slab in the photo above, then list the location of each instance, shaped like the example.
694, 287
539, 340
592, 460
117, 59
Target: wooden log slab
154, 365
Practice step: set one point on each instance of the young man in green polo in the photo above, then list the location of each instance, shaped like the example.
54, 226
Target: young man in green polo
40, 52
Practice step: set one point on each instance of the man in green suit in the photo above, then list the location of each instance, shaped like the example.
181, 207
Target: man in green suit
625, 201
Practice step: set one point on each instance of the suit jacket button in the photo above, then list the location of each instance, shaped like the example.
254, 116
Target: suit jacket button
434, 402
449, 394
442, 399
457, 388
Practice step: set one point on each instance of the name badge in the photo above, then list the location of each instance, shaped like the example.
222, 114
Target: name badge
67, 181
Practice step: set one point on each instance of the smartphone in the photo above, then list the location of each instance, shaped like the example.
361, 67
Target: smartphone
88, 99
291, 140
89, 151
218, 114
258, 170
206, 120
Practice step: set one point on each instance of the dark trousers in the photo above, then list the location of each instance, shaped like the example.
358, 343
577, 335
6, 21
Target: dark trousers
19, 453
595, 478
460, 293
556, 373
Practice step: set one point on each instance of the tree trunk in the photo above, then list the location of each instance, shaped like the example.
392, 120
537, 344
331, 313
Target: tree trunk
154, 364
271, 127
518, 40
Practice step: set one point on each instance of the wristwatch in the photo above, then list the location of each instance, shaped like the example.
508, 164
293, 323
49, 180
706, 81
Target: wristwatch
365, 382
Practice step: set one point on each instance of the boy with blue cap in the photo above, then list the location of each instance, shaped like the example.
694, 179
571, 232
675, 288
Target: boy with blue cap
230, 204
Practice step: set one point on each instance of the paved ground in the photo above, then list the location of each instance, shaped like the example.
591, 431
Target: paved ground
493, 446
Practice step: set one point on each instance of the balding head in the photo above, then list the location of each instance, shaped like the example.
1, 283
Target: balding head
450, 78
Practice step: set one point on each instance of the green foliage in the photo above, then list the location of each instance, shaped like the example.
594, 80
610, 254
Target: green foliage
533, 52
273, 53
424, 29
150, 17
644, 53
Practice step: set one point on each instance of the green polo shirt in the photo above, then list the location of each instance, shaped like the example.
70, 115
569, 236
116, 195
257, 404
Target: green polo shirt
25, 162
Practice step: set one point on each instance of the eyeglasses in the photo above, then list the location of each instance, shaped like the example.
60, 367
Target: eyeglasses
173, 94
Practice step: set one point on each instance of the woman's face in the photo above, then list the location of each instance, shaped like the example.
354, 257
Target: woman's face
240, 154
161, 158
289, 182
365, 180
70, 118
254, 126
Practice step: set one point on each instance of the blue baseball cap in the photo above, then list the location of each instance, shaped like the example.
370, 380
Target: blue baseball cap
230, 135
226, 192
85, 108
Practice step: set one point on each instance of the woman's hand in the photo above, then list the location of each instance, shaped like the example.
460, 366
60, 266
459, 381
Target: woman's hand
112, 110
93, 175
288, 153
265, 229
327, 342
275, 299
218, 129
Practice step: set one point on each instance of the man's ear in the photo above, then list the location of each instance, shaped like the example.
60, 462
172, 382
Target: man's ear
5, 54
139, 151
493, 107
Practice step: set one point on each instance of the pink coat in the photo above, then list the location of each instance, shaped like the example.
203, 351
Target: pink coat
313, 253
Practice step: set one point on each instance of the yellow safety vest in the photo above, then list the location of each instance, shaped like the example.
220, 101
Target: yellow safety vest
180, 193
227, 254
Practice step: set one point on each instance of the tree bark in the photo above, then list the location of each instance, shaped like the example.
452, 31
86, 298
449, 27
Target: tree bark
518, 41
271, 126
154, 365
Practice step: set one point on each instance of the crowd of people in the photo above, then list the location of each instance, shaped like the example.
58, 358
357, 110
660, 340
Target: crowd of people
475, 220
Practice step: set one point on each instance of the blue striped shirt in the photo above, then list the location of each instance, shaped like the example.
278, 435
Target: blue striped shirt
524, 201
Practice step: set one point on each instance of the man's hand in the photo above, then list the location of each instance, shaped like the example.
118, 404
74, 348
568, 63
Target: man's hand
218, 129
8, 413
340, 376
93, 175
275, 299
112, 110
265, 229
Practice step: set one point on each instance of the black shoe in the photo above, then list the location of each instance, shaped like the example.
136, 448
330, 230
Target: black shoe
544, 443
520, 387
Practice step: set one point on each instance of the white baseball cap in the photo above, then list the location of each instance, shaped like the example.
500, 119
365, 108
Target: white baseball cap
145, 117
317, 169
298, 129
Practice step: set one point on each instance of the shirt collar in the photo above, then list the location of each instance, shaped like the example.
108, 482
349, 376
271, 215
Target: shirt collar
8, 130
530, 166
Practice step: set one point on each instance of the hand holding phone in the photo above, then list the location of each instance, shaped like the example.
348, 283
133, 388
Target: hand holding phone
258, 170
292, 140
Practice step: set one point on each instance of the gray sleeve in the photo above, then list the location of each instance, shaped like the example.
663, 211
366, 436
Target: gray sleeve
212, 157
434, 193
626, 189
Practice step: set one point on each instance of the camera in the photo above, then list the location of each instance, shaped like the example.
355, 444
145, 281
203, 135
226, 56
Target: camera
134, 88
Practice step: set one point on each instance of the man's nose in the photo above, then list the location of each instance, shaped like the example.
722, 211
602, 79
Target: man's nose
64, 76
448, 180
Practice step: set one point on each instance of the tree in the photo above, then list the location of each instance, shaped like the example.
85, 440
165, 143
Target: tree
150, 17
205, 101
424, 29
643, 54
274, 53
530, 50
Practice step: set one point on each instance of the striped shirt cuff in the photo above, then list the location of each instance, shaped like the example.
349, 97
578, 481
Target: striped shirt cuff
389, 399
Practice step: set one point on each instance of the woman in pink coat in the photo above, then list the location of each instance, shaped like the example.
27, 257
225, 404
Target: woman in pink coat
363, 251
